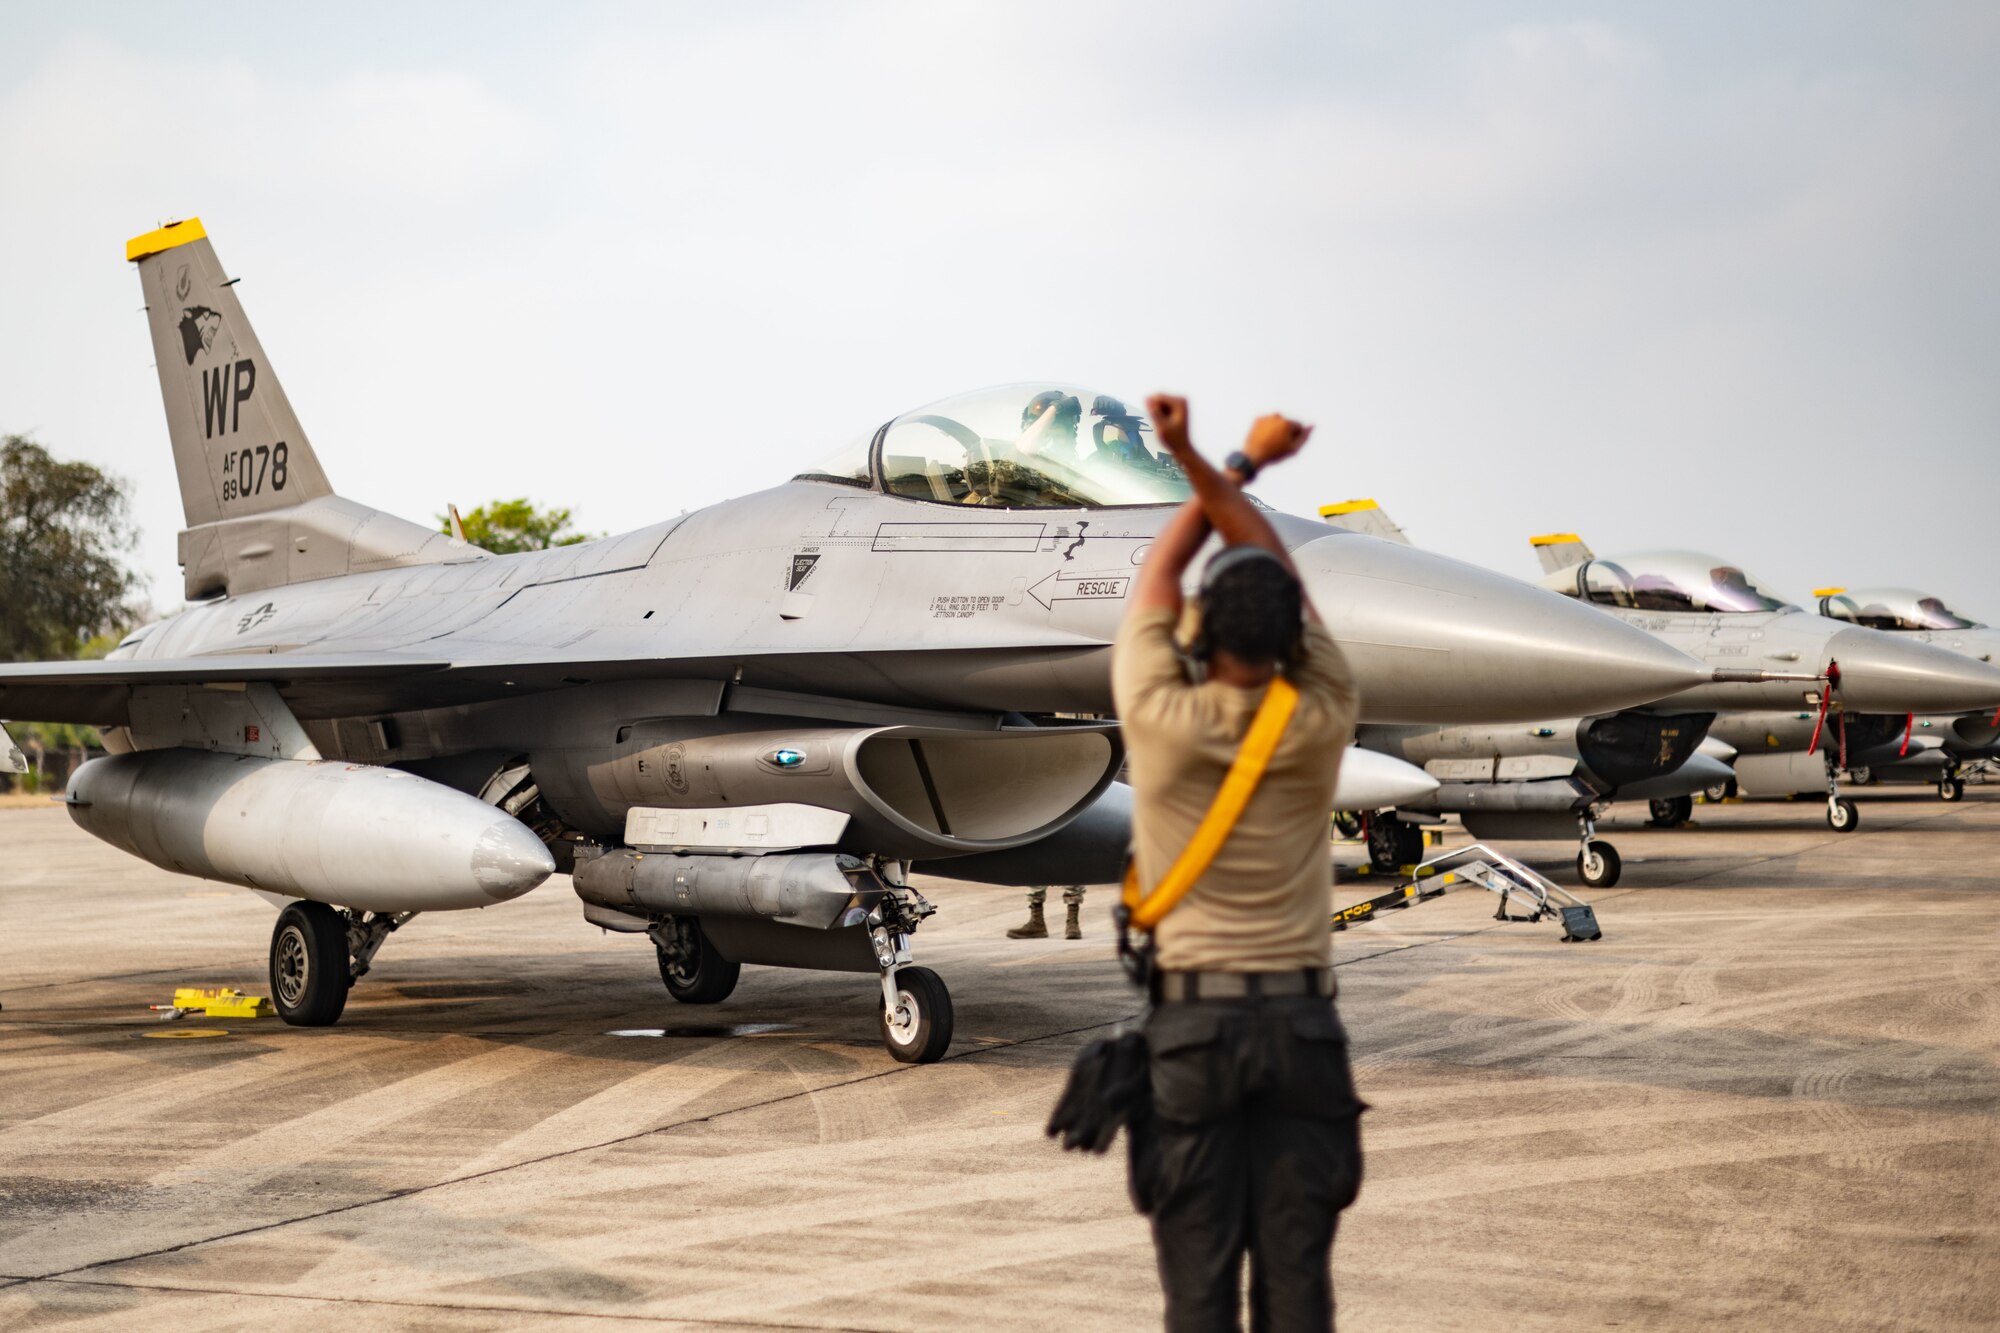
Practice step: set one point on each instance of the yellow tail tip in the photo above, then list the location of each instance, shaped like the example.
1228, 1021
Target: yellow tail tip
1828, 592
1346, 507
166, 238
1554, 539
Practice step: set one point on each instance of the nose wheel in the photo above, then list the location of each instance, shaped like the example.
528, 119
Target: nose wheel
1951, 789
1842, 814
1597, 863
916, 1015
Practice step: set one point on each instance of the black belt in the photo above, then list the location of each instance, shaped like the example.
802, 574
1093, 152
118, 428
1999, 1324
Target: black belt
1185, 986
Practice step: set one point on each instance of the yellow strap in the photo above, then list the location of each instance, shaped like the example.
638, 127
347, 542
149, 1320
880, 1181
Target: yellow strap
1259, 744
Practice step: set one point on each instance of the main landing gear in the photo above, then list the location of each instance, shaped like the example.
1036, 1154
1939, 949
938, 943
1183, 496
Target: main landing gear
692, 967
1671, 812
1392, 844
1597, 863
318, 953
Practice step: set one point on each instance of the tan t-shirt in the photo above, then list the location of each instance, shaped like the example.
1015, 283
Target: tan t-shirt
1264, 901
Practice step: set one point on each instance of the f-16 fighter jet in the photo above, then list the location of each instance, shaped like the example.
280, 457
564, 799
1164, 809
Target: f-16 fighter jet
737, 729
1932, 747
1790, 737
1538, 780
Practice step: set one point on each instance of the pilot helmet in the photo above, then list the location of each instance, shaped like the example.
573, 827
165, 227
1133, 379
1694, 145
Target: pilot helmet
1069, 411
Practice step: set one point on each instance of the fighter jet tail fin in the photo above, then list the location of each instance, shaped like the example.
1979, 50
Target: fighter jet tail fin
1560, 550
238, 445
260, 511
1365, 517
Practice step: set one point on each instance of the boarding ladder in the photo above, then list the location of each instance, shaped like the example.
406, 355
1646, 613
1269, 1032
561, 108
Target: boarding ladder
1490, 869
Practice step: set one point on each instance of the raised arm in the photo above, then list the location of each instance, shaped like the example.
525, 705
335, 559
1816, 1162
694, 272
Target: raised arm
1159, 583
1272, 439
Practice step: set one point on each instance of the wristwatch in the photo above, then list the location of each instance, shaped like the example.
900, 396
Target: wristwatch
1239, 463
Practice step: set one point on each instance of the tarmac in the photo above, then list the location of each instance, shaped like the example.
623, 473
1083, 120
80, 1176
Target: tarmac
1769, 1097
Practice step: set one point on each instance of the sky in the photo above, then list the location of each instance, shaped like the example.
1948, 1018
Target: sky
1708, 275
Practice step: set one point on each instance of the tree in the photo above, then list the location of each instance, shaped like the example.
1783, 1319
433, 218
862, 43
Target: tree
62, 527
506, 526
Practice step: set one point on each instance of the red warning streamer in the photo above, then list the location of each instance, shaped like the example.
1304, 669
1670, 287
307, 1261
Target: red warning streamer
1826, 702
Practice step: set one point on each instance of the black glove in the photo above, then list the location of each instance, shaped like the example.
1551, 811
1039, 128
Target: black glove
1109, 1086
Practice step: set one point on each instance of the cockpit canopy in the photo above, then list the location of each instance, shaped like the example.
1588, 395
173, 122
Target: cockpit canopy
1018, 446
1892, 609
1666, 581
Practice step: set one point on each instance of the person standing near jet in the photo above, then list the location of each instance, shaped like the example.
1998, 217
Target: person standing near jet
1036, 927
1254, 1143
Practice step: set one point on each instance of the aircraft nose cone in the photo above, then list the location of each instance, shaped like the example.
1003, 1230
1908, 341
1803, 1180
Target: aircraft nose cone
1434, 639
1888, 673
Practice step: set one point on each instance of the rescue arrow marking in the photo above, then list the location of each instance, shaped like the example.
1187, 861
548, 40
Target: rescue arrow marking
1074, 587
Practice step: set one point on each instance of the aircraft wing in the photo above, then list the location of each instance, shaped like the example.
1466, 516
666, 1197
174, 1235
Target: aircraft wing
321, 685
97, 693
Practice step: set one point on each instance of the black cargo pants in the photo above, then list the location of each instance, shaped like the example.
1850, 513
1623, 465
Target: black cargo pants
1253, 1147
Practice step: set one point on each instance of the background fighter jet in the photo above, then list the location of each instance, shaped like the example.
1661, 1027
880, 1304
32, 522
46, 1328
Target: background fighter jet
1533, 780
737, 728
1790, 737
1935, 748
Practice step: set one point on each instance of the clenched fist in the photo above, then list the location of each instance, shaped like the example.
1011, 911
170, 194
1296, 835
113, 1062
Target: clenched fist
1170, 420
1273, 439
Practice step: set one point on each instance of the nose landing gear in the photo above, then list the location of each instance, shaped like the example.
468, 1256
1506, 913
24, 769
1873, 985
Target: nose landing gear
916, 1008
1597, 863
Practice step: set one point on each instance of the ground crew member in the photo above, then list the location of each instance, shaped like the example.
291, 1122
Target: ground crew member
1035, 928
1255, 1146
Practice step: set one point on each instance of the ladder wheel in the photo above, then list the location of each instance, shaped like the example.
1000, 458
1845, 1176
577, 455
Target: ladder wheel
1951, 789
1843, 816
1598, 865
921, 1033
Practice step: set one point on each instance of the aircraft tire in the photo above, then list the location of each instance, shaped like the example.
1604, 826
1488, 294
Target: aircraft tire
1720, 792
1951, 789
705, 977
1843, 816
1393, 844
927, 1035
1861, 777
1672, 812
310, 974
1598, 865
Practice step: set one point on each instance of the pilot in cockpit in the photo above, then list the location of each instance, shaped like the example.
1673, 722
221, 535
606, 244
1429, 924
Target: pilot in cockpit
1047, 444
1116, 435
1048, 427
